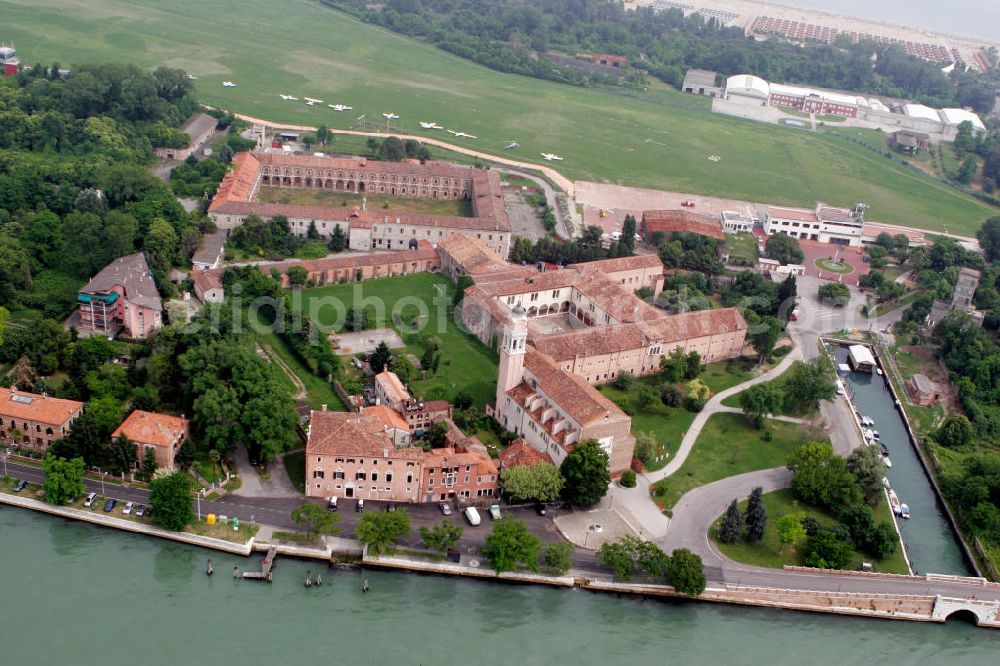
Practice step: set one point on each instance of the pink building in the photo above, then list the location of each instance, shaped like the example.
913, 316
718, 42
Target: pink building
351, 455
463, 475
160, 433
121, 299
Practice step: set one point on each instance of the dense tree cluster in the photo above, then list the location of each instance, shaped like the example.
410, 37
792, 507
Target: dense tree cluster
75, 191
507, 34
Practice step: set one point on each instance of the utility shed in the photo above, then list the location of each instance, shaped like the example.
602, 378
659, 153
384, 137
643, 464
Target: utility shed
861, 358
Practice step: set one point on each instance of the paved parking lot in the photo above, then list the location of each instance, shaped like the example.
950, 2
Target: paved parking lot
365, 342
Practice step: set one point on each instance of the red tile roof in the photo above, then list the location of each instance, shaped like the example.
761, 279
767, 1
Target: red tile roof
152, 428
25, 406
391, 386
574, 395
388, 416
670, 221
521, 453
448, 457
348, 433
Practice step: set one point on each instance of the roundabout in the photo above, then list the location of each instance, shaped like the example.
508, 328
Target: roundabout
834, 266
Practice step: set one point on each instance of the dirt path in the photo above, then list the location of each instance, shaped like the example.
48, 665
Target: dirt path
301, 394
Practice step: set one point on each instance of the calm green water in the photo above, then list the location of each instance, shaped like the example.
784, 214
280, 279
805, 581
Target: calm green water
75, 593
930, 541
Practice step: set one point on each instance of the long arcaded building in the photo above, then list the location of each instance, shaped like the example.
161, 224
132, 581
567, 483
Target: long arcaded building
385, 229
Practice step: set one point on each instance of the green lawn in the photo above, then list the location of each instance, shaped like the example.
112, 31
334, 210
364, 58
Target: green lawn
424, 298
668, 424
295, 465
727, 374
318, 390
728, 445
307, 197
742, 247
656, 137
772, 553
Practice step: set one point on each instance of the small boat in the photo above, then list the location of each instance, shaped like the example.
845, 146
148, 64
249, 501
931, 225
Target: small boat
885, 482
888, 463
894, 502
867, 421
904, 511
884, 449
875, 435
868, 434
878, 371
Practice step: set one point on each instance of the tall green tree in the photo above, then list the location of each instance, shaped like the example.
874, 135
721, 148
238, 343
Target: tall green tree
510, 545
148, 467
989, 238
760, 401
542, 482
63, 479
756, 516
955, 432
558, 557
731, 530
170, 497
686, 572
381, 358
314, 519
122, 455
868, 467
442, 536
764, 336
380, 530
338, 240
586, 472
783, 248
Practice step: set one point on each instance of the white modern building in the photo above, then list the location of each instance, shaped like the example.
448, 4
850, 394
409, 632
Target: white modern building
733, 222
826, 224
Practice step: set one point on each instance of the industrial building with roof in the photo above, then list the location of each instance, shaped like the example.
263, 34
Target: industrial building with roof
198, 129
236, 199
121, 299
941, 124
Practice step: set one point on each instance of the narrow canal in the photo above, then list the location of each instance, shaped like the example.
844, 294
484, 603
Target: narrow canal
932, 544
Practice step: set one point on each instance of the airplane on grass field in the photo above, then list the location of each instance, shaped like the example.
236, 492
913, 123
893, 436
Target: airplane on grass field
430, 125
228, 84
390, 116
340, 107
287, 97
192, 77
312, 102
462, 134
512, 145
551, 156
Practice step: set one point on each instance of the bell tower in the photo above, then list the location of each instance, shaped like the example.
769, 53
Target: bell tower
512, 350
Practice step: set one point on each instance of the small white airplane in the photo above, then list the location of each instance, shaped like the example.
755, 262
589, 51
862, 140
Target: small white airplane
551, 156
463, 134
287, 97
340, 107
512, 145
390, 116
228, 84
192, 77
311, 102
430, 125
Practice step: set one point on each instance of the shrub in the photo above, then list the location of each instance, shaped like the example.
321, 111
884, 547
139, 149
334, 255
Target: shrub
628, 479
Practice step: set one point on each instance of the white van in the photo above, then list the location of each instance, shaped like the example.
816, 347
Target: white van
90, 499
472, 516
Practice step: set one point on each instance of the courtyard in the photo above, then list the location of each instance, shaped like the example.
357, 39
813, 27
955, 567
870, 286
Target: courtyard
372, 202
365, 342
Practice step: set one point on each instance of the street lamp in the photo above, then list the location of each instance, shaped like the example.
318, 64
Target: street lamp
199, 503
102, 481
3, 456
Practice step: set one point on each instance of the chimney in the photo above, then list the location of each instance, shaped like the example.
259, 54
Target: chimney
322, 408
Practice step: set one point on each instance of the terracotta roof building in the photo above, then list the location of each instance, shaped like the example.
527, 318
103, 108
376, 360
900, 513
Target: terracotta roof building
394, 424
121, 298
520, 453
34, 420
681, 221
160, 433
353, 456
390, 390
236, 198
198, 128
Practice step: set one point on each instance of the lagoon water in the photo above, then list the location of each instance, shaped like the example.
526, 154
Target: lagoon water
975, 18
81, 594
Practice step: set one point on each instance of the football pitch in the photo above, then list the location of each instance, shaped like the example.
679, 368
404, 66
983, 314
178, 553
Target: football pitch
655, 138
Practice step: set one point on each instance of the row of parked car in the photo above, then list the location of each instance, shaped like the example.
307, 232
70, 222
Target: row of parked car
471, 514
139, 510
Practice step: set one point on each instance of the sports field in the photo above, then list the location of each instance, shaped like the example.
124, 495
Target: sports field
655, 138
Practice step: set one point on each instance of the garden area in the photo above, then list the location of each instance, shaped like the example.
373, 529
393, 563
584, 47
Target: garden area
729, 445
374, 201
742, 249
771, 551
419, 308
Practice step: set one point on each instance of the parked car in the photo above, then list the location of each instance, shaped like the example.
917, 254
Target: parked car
140, 510
109, 506
89, 502
540, 509
445, 508
127, 511
495, 511
360, 506
472, 516
20, 486
332, 504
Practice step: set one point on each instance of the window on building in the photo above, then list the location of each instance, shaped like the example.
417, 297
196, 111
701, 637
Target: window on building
360, 476
374, 476
318, 474
339, 474
388, 478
